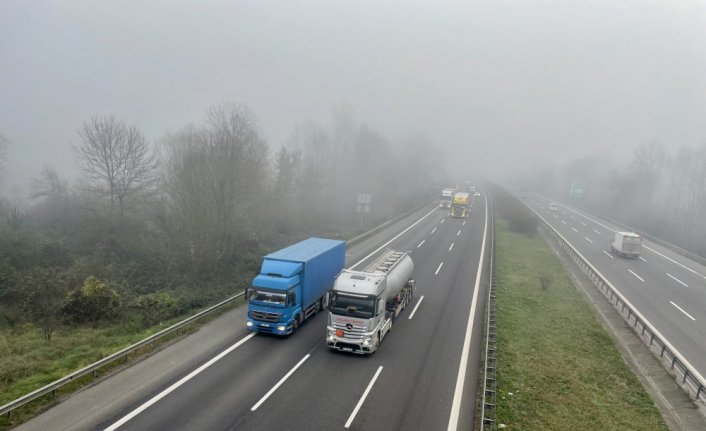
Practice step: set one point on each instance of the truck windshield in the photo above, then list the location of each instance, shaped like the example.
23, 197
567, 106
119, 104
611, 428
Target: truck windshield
345, 305
268, 296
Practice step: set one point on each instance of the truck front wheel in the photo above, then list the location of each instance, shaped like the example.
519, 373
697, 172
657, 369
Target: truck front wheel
295, 325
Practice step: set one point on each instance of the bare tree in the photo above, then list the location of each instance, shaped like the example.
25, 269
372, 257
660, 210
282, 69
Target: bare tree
215, 180
116, 158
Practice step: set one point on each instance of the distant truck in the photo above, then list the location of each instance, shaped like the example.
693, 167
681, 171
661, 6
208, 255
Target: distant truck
626, 244
459, 207
293, 284
446, 198
553, 207
364, 303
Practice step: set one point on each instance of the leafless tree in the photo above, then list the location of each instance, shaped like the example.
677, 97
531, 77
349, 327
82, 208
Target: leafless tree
215, 179
116, 158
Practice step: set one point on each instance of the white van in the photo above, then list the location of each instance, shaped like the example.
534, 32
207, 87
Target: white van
553, 207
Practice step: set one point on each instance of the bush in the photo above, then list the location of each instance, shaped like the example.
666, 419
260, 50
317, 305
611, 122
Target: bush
93, 302
155, 307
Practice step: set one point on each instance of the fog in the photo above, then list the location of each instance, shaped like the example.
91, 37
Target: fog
493, 85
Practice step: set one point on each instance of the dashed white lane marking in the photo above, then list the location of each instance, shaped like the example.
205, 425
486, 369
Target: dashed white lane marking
682, 310
183, 380
459, 232
433, 230
588, 239
281, 381
362, 399
642, 259
421, 298
574, 229
677, 280
636, 276
608, 254
438, 268
597, 231
452, 246
420, 244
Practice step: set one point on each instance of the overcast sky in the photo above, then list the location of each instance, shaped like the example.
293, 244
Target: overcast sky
495, 82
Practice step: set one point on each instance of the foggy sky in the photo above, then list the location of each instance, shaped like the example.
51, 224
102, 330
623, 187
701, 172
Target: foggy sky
494, 83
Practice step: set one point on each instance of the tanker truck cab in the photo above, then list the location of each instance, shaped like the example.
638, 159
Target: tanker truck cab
363, 304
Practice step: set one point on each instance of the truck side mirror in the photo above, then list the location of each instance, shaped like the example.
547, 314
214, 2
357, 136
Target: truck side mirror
248, 293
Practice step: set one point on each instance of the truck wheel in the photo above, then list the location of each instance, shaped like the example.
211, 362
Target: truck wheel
295, 325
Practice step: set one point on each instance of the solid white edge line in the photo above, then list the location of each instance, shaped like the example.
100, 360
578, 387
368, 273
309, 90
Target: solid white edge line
460, 379
638, 277
439, 268
645, 246
608, 254
656, 331
420, 244
421, 298
674, 261
452, 246
281, 381
397, 236
682, 310
676, 279
174, 386
588, 239
362, 399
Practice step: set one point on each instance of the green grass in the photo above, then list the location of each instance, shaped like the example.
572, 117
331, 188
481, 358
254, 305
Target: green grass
27, 362
558, 369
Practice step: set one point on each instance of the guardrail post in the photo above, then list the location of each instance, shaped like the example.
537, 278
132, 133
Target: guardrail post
674, 360
698, 390
686, 374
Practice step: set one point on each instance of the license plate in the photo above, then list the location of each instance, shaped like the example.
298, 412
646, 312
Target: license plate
347, 349
265, 325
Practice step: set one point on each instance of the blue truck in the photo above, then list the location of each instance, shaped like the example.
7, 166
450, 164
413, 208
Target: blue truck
293, 284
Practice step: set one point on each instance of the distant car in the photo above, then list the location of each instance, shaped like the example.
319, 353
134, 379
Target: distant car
553, 207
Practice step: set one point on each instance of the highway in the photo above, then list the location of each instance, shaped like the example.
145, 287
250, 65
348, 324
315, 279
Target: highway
667, 288
424, 375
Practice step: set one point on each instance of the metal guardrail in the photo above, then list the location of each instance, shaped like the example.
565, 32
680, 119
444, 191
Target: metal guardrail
679, 367
487, 419
123, 354
675, 248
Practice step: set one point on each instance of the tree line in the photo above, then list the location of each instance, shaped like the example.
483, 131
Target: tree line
152, 230
659, 190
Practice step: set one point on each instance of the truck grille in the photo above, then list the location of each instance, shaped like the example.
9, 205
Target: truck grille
355, 333
265, 317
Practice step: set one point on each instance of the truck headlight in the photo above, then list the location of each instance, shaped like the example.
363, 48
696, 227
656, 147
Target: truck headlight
249, 324
281, 328
367, 342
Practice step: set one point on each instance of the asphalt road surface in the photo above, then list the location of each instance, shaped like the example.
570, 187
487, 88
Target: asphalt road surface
423, 377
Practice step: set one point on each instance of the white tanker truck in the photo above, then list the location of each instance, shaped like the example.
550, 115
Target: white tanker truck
363, 304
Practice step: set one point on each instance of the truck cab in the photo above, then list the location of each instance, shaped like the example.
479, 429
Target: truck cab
293, 285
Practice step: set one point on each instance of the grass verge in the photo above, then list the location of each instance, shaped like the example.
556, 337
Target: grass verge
558, 368
27, 362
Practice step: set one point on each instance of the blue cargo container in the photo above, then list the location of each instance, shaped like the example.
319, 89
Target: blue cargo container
292, 285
